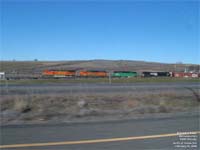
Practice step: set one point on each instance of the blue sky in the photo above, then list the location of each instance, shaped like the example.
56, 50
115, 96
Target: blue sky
65, 30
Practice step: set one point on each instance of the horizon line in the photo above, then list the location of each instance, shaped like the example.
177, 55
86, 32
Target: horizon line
53, 60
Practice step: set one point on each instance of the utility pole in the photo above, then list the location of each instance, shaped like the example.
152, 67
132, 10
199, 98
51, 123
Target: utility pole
110, 78
175, 67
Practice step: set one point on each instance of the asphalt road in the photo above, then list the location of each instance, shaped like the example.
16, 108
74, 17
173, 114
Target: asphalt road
137, 129
94, 88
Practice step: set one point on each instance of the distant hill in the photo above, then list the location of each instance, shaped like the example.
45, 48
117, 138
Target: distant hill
36, 67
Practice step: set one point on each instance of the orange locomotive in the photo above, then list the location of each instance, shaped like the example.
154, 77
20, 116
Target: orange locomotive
93, 73
59, 73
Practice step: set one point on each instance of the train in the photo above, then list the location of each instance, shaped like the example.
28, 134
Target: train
113, 74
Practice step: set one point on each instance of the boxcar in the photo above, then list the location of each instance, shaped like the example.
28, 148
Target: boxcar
186, 74
121, 74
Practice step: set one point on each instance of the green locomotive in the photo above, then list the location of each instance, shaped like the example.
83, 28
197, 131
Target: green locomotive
124, 74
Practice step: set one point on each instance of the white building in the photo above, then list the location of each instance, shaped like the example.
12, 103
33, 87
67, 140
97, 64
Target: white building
2, 75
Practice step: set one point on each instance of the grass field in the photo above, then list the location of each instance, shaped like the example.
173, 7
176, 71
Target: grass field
98, 80
83, 107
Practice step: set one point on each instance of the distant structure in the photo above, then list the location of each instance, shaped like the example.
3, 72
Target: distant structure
2, 75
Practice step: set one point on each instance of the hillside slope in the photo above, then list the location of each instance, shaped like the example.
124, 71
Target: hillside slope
31, 67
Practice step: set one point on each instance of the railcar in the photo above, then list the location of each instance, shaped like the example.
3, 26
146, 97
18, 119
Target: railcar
186, 75
156, 74
121, 74
59, 73
92, 73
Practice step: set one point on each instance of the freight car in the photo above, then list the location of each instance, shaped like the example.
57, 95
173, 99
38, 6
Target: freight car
186, 74
92, 73
121, 74
156, 74
59, 73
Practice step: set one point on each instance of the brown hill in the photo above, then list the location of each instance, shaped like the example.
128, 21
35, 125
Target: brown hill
36, 67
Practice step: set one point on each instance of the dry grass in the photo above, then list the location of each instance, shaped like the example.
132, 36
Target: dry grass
66, 107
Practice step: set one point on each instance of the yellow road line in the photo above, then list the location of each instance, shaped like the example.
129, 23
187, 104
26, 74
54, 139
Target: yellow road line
96, 140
